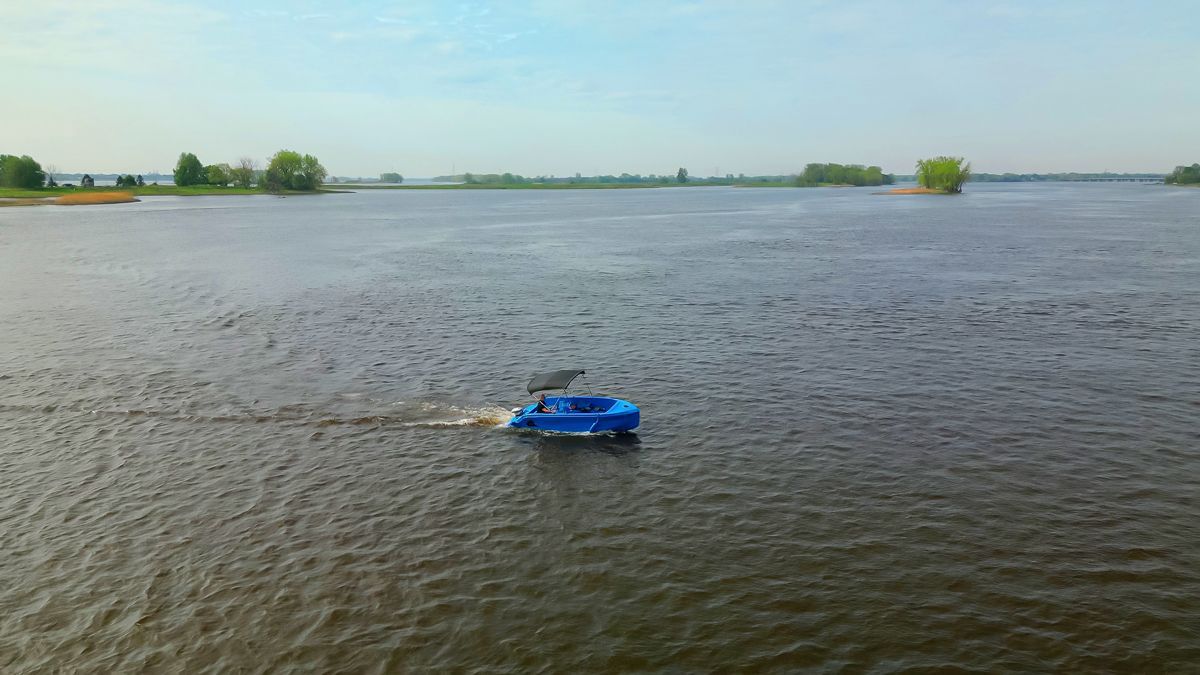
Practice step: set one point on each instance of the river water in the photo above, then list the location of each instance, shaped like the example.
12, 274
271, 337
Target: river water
879, 433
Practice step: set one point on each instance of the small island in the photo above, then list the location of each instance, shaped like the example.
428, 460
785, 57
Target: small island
940, 175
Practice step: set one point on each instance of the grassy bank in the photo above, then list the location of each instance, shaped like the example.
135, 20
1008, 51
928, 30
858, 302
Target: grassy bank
143, 190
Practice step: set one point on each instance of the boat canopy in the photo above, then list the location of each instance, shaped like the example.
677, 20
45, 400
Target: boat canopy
558, 379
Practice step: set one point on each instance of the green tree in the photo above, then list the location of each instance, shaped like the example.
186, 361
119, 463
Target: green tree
943, 173
218, 174
243, 174
814, 175
21, 172
140, 180
391, 177
289, 170
188, 170
1184, 175
681, 176
312, 172
281, 171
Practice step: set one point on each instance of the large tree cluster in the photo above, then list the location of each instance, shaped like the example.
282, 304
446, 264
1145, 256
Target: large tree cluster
287, 170
21, 172
1184, 175
842, 174
290, 170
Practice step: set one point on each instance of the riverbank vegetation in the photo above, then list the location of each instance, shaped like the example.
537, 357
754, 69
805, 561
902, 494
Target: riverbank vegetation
21, 172
149, 191
290, 170
287, 171
1184, 175
842, 174
943, 174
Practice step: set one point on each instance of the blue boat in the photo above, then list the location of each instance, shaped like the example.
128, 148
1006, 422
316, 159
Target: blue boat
573, 414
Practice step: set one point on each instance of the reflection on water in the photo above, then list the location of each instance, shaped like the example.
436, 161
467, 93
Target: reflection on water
877, 433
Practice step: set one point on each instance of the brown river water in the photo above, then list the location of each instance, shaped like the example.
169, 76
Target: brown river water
244, 434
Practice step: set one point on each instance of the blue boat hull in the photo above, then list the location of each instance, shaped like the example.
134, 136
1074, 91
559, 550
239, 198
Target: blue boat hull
580, 415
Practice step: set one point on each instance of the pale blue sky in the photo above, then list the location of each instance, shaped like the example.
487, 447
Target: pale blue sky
559, 87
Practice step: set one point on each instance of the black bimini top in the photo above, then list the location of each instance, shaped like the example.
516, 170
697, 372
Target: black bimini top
558, 379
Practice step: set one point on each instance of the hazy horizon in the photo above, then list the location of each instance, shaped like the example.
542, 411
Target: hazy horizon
563, 87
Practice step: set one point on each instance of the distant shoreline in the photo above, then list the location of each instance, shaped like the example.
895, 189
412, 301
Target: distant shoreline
552, 186
67, 196
100, 195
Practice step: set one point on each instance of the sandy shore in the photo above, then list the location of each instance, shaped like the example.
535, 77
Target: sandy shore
77, 199
912, 191
96, 198
23, 201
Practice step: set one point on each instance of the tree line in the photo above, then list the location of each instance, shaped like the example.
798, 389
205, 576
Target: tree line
1184, 175
681, 175
129, 180
1065, 176
286, 170
843, 174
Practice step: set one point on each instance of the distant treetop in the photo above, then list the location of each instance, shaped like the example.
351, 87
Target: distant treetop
1184, 175
843, 174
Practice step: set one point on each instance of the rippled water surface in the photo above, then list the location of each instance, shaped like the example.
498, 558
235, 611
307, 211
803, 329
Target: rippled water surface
878, 432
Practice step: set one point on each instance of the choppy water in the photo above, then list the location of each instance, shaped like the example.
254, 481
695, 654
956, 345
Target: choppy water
878, 432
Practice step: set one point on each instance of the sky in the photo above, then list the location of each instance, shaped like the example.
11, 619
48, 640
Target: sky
555, 88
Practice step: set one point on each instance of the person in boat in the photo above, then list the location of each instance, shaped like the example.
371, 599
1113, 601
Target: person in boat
541, 405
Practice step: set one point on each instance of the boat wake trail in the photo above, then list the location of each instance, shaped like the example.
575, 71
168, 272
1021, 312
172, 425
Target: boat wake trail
400, 414
430, 416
